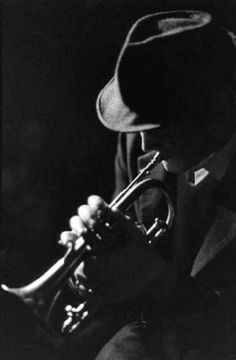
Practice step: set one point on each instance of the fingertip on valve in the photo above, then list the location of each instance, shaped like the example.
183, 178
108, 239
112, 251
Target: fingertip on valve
96, 203
67, 238
77, 226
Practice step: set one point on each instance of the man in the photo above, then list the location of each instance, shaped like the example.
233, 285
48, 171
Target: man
172, 92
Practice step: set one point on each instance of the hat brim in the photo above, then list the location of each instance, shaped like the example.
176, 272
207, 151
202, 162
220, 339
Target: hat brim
116, 115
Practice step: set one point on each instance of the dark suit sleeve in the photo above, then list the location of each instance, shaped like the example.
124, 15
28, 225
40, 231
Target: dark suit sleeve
201, 311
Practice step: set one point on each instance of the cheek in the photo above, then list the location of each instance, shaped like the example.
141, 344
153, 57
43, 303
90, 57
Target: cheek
185, 141
185, 151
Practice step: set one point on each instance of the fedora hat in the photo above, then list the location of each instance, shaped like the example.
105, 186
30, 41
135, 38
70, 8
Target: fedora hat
171, 66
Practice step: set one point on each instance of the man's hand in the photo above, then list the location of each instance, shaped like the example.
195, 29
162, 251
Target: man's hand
121, 264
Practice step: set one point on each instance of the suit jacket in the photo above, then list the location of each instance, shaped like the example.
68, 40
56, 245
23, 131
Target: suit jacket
202, 244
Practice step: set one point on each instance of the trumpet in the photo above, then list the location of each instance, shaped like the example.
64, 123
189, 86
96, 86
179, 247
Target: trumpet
42, 294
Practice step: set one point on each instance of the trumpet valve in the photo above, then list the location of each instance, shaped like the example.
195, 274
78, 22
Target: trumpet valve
157, 230
75, 315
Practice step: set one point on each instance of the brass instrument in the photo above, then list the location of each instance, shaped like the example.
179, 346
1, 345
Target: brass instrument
41, 294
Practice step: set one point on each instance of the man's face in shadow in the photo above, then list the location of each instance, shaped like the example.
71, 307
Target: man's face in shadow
185, 144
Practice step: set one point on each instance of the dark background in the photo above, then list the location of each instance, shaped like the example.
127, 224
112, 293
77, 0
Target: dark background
56, 56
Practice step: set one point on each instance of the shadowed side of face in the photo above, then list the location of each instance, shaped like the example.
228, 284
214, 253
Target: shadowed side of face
184, 144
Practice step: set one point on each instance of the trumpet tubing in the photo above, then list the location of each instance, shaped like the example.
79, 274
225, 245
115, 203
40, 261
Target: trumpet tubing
40, 293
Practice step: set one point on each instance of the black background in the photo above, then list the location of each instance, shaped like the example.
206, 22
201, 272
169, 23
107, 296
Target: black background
56, 56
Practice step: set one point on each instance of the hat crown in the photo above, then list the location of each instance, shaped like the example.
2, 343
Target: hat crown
165, 23
170, 65
174, 57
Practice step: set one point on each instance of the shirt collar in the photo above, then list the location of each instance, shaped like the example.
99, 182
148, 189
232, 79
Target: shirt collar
215, 164
218, 164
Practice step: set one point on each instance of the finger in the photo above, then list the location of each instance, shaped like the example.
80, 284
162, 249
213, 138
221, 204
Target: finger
103, 214
103, 220
78, 226
87, 216
67, 238
83, 233
98, 206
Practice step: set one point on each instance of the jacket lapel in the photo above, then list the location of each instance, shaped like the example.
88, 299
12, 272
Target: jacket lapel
221, 233
223, 229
